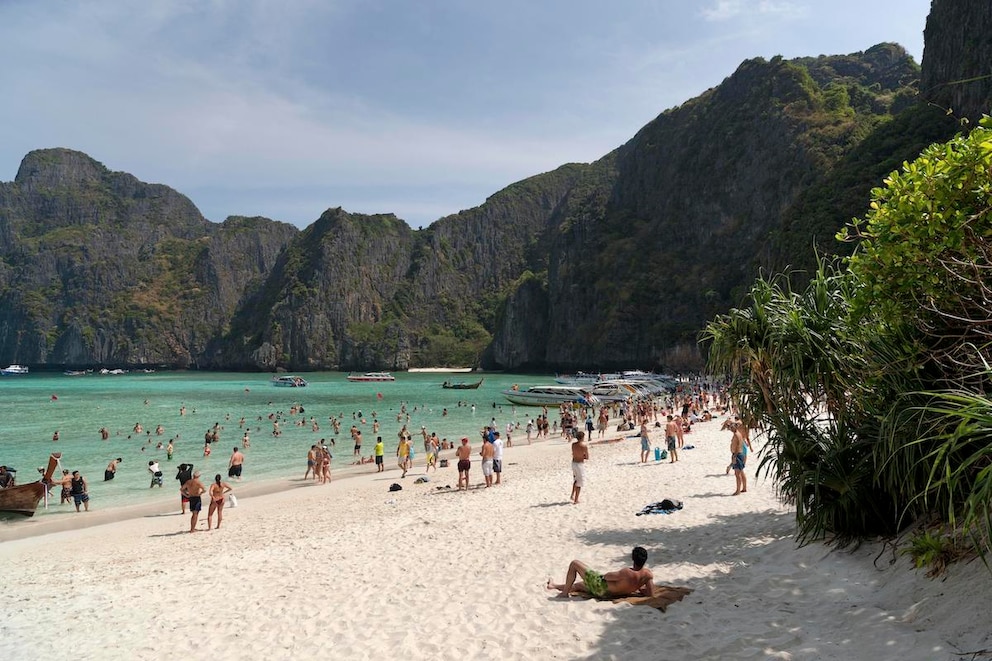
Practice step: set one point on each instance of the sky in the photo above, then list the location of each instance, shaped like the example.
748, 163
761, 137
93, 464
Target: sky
285, 108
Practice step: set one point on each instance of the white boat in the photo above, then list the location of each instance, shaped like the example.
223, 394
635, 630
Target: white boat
372, 376
615, 391
549, 395
289, 381
14, 370
578, 379
441, 370
113, 372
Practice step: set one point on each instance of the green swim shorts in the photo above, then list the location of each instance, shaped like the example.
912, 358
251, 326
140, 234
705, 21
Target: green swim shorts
595, 583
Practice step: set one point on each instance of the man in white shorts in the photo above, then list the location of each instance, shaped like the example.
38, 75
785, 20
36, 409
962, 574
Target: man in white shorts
487, 453
580, 454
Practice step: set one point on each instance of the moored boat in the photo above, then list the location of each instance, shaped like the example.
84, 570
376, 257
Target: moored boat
24, 498
461, 385
13, 370
372, 376
548, 395
440, 370
289, 381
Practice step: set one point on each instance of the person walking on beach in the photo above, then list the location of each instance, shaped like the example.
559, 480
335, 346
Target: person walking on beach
671, 438
80, 491
403, 453
645, 442
311, 463
380, 451
636, 579
111, 469
487, 462
193, 490
497, 457
324, 461
580, 454
738, 459
235, 464
433, 454
217, 491
463, 453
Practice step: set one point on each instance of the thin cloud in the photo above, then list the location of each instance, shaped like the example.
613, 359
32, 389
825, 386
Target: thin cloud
724, 10
287, 108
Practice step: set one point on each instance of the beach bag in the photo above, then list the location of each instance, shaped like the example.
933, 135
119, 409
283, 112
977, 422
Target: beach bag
671, 504
232, 500
395, 487
444, 463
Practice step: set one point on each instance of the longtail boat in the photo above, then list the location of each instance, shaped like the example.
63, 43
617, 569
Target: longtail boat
460, 385
24, 498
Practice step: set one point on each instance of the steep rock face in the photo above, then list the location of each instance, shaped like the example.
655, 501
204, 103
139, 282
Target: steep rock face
957, 74
324, 302
641, 260
98, 268
613, 264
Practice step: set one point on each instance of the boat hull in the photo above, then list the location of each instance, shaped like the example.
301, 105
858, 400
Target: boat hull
371, 377
462, 386
524, 398
289, 382
22, 499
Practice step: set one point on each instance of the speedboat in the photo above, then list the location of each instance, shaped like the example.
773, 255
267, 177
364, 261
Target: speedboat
372, 376
289, 381
578, 379
14, 370
548, 395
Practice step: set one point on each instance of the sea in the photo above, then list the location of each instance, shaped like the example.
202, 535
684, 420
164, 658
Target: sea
187, 404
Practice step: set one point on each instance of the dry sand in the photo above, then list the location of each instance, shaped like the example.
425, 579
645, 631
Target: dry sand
352, 571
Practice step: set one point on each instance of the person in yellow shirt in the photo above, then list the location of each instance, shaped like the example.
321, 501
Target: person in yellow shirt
403, 452
379, 452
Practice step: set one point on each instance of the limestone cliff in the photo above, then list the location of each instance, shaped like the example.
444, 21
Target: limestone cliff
617, 263
98, 268
957, 58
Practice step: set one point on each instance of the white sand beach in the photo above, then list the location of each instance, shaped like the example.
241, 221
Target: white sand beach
429, 574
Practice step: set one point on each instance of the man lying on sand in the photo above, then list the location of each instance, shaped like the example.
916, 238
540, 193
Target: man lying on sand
622, 583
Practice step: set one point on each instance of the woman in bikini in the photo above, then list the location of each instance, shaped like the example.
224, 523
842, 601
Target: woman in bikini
217, 491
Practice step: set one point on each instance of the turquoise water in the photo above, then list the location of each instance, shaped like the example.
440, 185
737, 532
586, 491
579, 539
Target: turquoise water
36, 405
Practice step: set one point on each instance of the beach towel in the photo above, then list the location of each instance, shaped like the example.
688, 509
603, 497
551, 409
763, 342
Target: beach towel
665, 506
664, 596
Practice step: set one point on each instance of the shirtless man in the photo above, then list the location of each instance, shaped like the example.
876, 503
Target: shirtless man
111, 469
737, 461
463, 453
311, 462
487, 453
193, 490
580, 453
625, 582
66, 483
671, 438
236, 463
